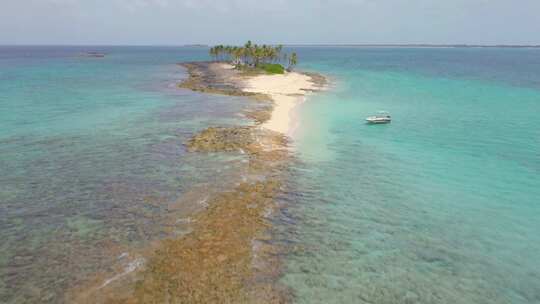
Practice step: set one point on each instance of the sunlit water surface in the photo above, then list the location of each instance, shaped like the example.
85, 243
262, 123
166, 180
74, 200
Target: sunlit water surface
92, 157
440, 206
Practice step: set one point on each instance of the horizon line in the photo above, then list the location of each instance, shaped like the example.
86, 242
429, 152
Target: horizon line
457, 45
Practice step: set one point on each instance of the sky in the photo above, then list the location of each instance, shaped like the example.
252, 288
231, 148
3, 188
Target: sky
177, 22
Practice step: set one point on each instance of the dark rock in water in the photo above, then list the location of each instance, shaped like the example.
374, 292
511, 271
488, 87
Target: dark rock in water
260, 115
319, 80
217, 139
217, 262
204, 77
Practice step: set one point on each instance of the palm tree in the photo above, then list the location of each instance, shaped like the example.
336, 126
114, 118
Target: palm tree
219, 49
248, 51
213, 53
278, 49
253, 55
257, 54
293, 60
237, 53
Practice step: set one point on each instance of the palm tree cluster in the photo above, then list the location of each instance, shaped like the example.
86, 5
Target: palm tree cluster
252, 55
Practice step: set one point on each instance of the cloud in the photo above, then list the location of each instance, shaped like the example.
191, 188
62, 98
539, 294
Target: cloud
288, 21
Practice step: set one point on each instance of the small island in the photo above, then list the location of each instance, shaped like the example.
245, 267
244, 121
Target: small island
256, 71
217, 261
255, 57
226, 257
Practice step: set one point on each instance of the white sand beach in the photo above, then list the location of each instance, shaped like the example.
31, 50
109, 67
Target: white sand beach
287, 91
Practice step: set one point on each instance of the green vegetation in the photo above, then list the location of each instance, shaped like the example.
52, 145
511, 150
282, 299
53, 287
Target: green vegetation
272, 68
293, 60
252, 56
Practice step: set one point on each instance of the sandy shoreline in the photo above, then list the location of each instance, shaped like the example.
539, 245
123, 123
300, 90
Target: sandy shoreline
287, 91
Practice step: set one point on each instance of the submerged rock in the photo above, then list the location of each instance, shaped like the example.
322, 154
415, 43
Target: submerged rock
216, 139
205, 78
217, 262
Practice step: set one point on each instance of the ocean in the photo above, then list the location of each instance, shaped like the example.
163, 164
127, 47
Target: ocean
91, 154
440, 206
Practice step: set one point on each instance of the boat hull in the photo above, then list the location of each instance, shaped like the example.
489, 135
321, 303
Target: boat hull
378, 121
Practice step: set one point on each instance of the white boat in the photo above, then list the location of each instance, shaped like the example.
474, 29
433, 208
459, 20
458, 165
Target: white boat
382, 117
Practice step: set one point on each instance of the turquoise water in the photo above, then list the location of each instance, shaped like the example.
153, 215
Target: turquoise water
441, 205
92, 156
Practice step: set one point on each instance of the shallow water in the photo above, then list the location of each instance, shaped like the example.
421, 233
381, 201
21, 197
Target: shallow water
92, 157
438, 207
441, 205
